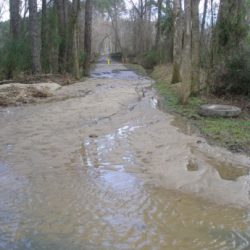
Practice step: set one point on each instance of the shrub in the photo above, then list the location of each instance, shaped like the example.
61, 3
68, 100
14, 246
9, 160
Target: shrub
15, 58
234, 75
152, 58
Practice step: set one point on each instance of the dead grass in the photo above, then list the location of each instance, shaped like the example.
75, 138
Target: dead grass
33, 92
163, 73
61, 79
14, 95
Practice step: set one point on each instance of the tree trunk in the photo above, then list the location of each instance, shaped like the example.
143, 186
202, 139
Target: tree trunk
229, 31
141, 20
148, 30
115, 27
186, 65
76, 69
195, 47
230, 24
52, 39
204, 20
44, 34
15, 19
158, 25
75, 54
140, 36
178, 34
114, 21
34, 37
63, 34
88, 36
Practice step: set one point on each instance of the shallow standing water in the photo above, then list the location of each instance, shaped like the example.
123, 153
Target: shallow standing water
107, 170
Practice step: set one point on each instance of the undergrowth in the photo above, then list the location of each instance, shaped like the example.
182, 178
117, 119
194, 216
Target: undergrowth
232, 133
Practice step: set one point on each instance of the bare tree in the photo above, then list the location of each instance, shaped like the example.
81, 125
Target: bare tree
186, 65
204, 19
177, 50
62, 15
140, 39
75, 53
44, 34
195, 80
15, 18
114, 19
158, 24
88, 36
34, 37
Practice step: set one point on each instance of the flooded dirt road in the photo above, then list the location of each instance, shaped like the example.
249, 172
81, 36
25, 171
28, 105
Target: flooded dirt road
100, 167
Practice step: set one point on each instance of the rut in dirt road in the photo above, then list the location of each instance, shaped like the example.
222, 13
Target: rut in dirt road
101, 167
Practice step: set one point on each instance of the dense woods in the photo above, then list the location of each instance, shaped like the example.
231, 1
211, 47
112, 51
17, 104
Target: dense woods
206, 41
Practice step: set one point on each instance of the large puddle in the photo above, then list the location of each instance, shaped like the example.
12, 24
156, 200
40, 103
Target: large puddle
109, 172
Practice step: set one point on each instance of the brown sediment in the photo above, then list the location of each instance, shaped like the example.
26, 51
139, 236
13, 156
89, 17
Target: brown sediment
90, 171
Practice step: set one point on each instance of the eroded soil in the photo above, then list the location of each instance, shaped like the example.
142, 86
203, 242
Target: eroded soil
99, 166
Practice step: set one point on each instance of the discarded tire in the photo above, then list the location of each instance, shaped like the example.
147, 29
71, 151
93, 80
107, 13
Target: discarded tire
219, 110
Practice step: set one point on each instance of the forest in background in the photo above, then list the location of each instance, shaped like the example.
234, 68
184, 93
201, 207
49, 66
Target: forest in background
207, 41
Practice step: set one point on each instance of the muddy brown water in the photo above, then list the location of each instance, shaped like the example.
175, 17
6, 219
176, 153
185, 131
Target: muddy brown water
107, 170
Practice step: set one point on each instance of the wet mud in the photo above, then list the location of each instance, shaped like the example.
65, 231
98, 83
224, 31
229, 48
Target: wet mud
99, 166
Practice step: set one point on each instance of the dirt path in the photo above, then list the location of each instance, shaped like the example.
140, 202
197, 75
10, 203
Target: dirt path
98, 166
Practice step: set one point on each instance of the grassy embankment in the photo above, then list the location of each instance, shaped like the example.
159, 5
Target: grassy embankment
234, 134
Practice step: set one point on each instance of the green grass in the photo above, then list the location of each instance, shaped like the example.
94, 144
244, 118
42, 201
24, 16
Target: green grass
229, 132
171, 103
233, 134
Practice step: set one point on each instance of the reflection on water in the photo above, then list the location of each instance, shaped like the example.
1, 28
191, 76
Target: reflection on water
183, 125
228, 171
155, 218
95, 149
53, 196
114, 74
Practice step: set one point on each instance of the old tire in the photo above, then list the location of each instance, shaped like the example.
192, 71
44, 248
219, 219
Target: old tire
219, 110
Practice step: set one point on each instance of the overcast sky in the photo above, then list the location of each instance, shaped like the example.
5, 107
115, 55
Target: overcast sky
4, 8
